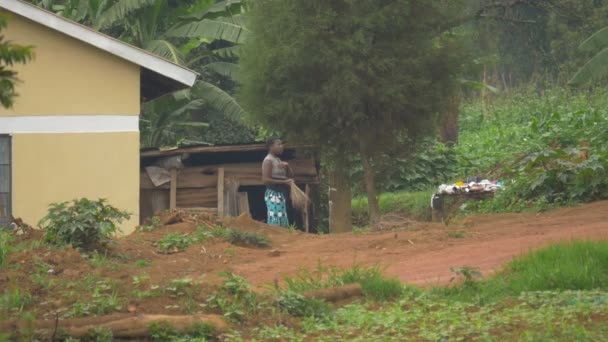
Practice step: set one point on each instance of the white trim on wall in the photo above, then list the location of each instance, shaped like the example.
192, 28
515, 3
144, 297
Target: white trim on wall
69, 124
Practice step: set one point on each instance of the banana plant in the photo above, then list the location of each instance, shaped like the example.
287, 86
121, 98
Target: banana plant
597, 67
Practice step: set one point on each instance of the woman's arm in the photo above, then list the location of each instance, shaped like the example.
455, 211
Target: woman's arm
267, 175
290, 173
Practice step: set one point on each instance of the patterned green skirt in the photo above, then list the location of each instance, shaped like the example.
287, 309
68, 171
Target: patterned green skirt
277, 208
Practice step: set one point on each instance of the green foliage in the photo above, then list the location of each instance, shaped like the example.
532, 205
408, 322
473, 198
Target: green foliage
14, 300
153, 224
554, 316
417, 168
457, 234
83, 224
566, 266
163, 331
243, 238
372, 282
6, 240
99, 335
415, 205
553, 148
104, 300
297, 305
174, 242
235, 299
11, 53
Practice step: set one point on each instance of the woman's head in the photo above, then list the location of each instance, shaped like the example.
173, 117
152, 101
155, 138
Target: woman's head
275, 146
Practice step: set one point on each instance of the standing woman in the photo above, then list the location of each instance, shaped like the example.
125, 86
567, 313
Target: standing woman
278, 177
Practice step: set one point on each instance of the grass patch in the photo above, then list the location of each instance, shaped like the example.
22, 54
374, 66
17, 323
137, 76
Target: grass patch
578, 265
14, 300
373, 283
415, 205
6, 239
242, 238
142, 263
457, 234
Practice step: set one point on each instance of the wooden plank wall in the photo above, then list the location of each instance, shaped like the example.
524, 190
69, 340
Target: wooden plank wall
197, 186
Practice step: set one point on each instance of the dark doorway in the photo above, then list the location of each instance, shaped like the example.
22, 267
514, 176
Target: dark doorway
257, 206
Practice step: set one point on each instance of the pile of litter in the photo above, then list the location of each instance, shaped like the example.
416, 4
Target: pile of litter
470, 187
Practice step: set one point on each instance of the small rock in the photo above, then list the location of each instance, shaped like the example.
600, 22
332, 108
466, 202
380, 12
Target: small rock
132, 308
274, 253
51, 271
225, 261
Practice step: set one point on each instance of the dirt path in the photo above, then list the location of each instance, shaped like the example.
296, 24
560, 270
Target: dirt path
423, 254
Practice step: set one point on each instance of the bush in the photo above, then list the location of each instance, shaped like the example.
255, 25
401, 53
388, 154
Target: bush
82, 224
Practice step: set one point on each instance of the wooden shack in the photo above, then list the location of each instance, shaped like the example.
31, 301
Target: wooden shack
226, 180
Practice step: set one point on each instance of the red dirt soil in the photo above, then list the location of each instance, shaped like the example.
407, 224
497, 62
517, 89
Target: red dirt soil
423, 253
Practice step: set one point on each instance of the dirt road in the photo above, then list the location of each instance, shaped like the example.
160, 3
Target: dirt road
422, 254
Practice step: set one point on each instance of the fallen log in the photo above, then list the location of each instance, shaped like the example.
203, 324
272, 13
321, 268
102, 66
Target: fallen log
336, 294
122, 326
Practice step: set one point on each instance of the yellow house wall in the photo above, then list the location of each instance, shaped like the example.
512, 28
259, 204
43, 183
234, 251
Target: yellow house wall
50, 168
69, 77
63, 159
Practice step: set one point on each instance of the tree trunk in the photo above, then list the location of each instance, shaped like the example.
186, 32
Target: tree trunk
340, 209
484, 107
449, 125
370, 187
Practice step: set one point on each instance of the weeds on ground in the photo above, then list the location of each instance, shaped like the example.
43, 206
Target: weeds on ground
174, 242
142, 263
104, 300
153, 224
415, 205
373, 283
14, 300
242, 238
234, 299
166, 332
297, 305
457, 234
6, 240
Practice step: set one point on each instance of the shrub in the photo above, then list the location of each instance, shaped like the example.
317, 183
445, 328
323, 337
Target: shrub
83, 224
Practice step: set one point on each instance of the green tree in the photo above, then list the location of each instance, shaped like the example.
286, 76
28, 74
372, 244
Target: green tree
10, 54
201, 34
350, 76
